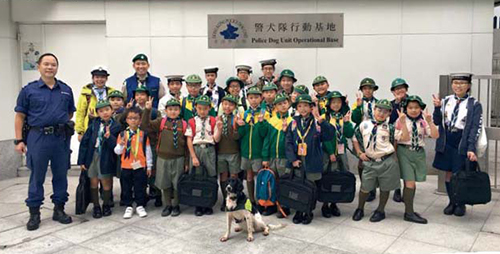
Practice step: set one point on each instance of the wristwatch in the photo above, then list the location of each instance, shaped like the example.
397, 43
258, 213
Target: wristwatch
17, 141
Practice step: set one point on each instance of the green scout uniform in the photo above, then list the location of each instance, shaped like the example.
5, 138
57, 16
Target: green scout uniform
252, 135
322, 99
228, 148
365, 110
274, 144
376, 139
188, 109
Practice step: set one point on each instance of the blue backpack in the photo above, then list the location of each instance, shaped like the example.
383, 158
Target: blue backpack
266, 188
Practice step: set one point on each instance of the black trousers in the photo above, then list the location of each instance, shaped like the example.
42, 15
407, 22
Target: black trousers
134, 184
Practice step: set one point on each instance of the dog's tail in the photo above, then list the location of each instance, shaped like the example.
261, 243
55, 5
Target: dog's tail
276, 226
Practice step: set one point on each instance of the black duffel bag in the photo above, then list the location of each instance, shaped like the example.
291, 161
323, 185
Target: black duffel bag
82, 194
297, 193
470, 186
197, 189
337, 186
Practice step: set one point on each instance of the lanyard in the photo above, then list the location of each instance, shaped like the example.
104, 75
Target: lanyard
305, 134
134, 151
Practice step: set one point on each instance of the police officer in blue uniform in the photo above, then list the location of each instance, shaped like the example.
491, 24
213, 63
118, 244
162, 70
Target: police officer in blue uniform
46, 107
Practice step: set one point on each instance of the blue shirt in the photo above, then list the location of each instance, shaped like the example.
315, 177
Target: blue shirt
44, 106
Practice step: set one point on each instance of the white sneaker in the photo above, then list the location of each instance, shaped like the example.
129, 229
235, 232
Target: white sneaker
141, 211
128, 212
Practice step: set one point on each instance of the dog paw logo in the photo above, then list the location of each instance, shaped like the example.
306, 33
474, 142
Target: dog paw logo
230, 32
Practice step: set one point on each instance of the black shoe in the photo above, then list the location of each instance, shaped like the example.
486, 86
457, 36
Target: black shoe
34, 221
270, 210
377, 216
449, 209
358, 215
198, 211
371, 196
208, 211
106, 210
325, 211
223, 206
334, 210
158, 202
97, 212
122, 204
60, 216
414, 217
459, 210
308, 217
280, 215
297, 219
176, 211
166, 211
397, 196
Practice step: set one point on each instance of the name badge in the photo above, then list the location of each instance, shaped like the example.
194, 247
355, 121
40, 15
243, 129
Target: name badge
136, 165
340, 148
302, 149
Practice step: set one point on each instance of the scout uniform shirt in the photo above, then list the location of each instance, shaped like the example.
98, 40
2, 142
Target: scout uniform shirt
455, 117
188, 110
268, 109
228, 143
204, 131
137, 151
274, 143
323, 102
216, 95
342, 130
364, 111
376, 139
418, 129
252, 134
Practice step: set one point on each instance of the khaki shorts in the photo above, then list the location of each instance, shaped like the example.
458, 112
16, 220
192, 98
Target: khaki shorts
168, 172
384, 174
229, 163
279, 165
206, 156
412, 164
254, 164
94, 169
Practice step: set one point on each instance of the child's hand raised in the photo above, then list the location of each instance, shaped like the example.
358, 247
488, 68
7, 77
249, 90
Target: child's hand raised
436, 100
149, 103
402, 117
427, 116
130, 104
359, 98
347, 117
239, 121
108, 132
219, 122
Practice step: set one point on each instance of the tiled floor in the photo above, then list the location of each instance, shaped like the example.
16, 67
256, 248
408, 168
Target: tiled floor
478, 231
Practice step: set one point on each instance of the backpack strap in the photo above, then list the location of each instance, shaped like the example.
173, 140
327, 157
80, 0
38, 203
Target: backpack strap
192, 123
184, 126
212, 123
144, 141
183, 108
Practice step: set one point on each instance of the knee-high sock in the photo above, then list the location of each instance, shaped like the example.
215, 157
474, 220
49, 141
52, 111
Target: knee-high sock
223, 185
106, 197
384, 196
175, 198
362, 199
251, 190
408, 196
94, 196
167, 196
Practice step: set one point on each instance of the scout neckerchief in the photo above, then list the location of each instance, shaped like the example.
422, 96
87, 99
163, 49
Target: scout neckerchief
175, 132
414, 131
252, 114
192, 99
302, 146
101, 132
283, 117
225, 121
140, 81
100, 93
322, 101
269, 108
336, 119
203, 128
129, 134
373, 135
454, 116
370, 110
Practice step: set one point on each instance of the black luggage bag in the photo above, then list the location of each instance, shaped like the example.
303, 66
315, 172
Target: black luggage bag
198, 190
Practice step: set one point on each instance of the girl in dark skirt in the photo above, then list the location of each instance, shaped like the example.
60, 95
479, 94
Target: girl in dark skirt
459, 118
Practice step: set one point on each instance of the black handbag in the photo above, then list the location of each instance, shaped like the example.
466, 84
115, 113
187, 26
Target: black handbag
82, 193
198, 190
297, 193
471, 186
337, 186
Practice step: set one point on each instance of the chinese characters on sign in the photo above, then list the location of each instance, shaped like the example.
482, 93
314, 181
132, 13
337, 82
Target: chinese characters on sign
276, 31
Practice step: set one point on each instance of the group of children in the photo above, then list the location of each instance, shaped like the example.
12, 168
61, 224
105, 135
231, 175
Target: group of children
277, 126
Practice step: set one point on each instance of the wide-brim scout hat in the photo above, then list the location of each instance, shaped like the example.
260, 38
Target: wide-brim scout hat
398, 82
383, 104
231, 98
173, 102
269, 86
301, 89
234, 79
287, 73
280, 98
99, 71
193, 78
303, 98
268, 62
243, 67
254, 90
116, 94
203, 100
368, 82
337, 94
141, 57
414, 98
211, 69
141, 89
461, 76
318, 80
102, 104
171, 78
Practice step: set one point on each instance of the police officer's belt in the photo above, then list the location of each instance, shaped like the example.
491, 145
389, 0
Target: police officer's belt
383, 158
49, 130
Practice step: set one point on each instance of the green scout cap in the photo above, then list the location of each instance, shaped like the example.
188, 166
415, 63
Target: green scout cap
303, 98
243, 67
384, 104
301, 89
269, 86
173, 102
254, 90
288, 73
231, 98
319, 79
335, 94
268, 62
116, 93
415, 98
368, 82
174, 78
193, 78
203, 100
140, 56
232, 79
280, 97
102, 104
141, 89
398, 82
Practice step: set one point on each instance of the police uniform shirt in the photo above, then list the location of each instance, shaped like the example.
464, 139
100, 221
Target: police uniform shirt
462, 111
424, 130
208, 135
383, 142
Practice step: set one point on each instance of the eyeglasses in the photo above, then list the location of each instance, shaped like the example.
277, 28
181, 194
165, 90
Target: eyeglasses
460, 83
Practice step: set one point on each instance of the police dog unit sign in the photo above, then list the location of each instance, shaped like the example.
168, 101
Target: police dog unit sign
319, 30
